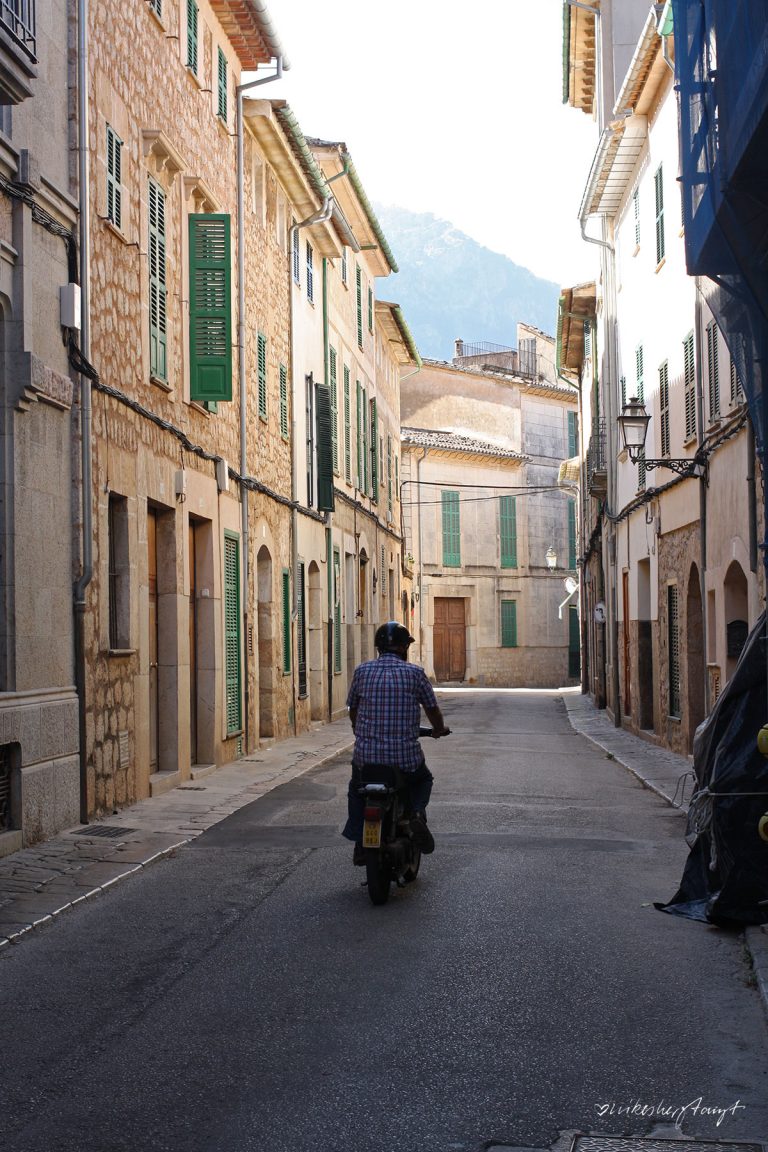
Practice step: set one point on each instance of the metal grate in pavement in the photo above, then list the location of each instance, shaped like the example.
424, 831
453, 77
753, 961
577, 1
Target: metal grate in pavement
106, 831
650, 1144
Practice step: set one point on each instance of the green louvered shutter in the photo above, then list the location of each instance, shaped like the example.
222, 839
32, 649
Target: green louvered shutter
232, 632
347, 426
451, 530
571, 533
261, 366
508, 531
573, 434
286, 618
359, 287
283, 401
210, 308
324, 449
157, 287
114, 178
192, 21
221, 95
389, 474
359, 478
374, 453
333, 362
509, 624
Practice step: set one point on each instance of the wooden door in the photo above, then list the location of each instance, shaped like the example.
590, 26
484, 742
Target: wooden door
153, 638
449, 637
627, 661
192, 562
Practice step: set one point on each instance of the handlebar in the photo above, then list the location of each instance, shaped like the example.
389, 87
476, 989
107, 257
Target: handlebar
431, 732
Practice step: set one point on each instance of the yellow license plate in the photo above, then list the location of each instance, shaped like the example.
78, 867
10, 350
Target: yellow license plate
372, 834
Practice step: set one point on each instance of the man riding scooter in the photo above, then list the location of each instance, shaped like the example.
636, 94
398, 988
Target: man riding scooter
384, 701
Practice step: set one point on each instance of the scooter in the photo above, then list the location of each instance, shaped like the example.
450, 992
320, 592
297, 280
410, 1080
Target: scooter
391, 852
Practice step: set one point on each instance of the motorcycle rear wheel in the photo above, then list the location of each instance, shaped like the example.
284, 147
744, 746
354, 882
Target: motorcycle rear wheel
412, 871
379, 876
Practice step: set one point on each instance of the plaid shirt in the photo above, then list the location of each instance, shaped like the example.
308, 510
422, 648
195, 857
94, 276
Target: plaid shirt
387, 694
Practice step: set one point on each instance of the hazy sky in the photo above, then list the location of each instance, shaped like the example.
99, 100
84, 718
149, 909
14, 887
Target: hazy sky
452, 107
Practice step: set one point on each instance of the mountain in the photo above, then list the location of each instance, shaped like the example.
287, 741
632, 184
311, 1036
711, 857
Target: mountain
450, 287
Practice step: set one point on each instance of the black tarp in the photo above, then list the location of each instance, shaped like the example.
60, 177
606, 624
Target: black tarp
725, 879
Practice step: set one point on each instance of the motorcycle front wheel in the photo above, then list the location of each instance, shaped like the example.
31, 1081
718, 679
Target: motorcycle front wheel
379, 876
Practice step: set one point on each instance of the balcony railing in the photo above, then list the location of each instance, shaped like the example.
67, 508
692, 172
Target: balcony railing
18, 17
522, 362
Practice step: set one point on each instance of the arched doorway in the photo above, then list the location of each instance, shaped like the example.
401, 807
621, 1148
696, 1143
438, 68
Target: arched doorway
315, 646
695, 667
736, 603
266, 640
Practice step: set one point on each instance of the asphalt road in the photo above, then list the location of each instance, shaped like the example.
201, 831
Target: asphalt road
244, 996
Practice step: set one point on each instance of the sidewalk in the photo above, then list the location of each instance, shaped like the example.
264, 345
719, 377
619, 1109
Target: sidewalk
665, 773
50, 878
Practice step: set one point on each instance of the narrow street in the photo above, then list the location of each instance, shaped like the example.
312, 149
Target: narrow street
244, 996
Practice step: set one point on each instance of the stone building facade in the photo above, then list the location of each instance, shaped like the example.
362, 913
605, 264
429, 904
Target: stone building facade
491, 534
39, 423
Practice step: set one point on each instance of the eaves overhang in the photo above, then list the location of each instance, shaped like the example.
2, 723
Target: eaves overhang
277, 132
251, 32
576, 307
614, 163
580, 54
340, 172
646, 71
459, 445
392, 321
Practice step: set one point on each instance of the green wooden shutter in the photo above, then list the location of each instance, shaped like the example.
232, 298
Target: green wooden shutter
325, 501
359, 285
310, 273
359, 478
658, 182
261, 357
210, 308
451, 530
364, 449
301, 632
221, 102
636, 213
192, 16
664, 406
374, 453
158, 331
571, 533
508, 531
333, 362
347, 426
284, 402
713, 371
336, 611
389, 474
232, 632
573, 434
114, 178
689, 375
509, 624
370, 309
286, 609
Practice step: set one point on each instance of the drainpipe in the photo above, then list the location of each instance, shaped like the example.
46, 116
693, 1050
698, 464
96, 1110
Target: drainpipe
239, 90
86, 573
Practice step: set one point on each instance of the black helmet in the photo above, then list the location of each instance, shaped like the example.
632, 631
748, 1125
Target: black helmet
392, 635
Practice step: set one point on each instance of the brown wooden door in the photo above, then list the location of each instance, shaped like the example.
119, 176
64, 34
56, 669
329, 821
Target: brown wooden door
153, 638
449, 636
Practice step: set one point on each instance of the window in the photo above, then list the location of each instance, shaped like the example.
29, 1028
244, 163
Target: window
636, 214
362, 439
232, 667
689, 383
333, 372
508, 531
383, 570
119, 570
286, 621
221, 90
674, 650
451, 530
347, 427
573, 434
509, 623
336, 611
309, 414
640, 394
157, 7
284, 402
374, 427
114, 177
571, 533
325, 496
664, 406
192, 50
158, 324
370, 309
295, 253
301, 632
658, 183
359, 282
261, 371
310, 274
210, 320
389, 476
713, 371
344, 266
737, 392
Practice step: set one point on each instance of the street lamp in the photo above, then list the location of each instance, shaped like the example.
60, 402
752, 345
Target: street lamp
634, 422
551, 558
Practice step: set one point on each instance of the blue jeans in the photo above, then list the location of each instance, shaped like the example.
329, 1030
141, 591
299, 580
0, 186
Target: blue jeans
419, 787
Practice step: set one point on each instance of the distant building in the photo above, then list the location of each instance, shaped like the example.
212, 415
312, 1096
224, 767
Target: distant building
490, 535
